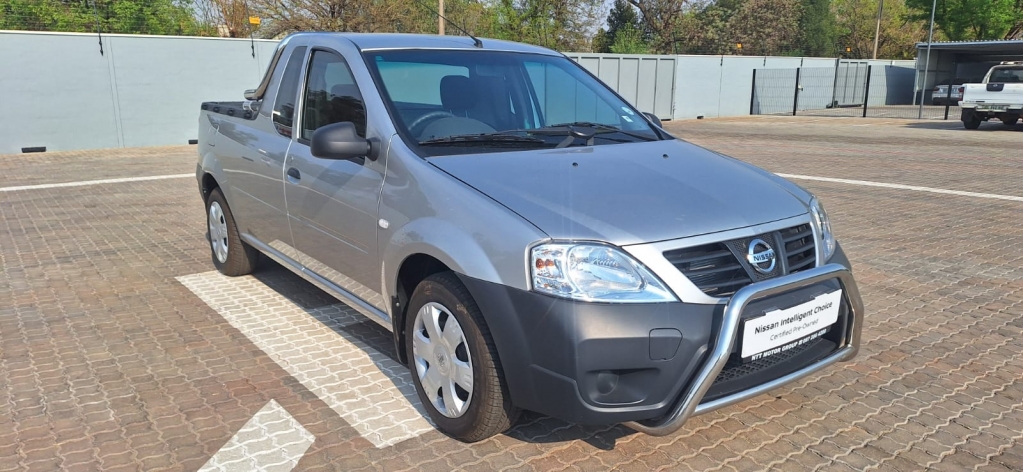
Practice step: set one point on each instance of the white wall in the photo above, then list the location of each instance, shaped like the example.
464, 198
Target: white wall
60, 92
646, 81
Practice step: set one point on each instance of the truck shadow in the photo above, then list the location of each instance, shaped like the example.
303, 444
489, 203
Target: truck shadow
955, 125
374, 340
536, 428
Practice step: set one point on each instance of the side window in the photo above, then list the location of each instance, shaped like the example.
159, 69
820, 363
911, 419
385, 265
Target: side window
331, 95
284, 106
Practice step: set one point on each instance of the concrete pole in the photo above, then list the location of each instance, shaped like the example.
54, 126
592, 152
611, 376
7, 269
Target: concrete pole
877, 31
440, 19
927, 62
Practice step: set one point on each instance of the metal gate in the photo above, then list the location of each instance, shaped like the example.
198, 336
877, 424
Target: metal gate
853, 89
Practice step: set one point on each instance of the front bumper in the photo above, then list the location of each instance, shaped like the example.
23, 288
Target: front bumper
651, 366
690, 403
990, 109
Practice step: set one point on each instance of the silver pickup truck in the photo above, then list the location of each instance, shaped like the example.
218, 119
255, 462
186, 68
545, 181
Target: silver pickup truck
531, 239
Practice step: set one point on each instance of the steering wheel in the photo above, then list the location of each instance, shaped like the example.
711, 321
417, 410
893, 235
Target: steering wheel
433, 115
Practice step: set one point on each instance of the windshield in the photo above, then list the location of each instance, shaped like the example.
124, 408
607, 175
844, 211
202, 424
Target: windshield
1007, 74
453, 102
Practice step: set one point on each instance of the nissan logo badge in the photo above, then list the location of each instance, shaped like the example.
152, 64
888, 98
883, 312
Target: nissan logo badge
761, 256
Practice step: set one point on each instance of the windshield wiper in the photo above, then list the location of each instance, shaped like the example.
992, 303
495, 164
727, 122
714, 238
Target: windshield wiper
602, 128
491, 138
585, 130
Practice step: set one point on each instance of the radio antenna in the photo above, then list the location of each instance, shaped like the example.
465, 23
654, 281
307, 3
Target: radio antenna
475, 41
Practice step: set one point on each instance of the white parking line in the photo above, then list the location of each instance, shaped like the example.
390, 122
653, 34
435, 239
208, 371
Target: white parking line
867, 183
371, 391
273, 440
83, 183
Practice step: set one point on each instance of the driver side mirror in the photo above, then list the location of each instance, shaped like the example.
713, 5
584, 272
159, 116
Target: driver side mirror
653, 119
341, 141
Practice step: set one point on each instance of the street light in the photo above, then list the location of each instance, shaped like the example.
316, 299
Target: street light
440, 18
927, 62
877, 32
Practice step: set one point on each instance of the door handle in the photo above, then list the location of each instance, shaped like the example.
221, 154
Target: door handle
294, 175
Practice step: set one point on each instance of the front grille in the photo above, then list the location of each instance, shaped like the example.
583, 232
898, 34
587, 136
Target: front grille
800, 250
736, 369
736, 376
720, 269
712, 267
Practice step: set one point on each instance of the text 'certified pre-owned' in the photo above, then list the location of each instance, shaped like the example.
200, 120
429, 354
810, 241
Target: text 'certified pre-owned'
779, 328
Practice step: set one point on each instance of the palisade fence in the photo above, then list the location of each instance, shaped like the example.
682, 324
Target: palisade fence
647, 81
854, 89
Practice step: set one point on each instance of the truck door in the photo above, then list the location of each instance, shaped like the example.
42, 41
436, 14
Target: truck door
332, 204
254, 153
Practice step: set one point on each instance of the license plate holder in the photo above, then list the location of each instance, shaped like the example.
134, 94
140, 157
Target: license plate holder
777, 331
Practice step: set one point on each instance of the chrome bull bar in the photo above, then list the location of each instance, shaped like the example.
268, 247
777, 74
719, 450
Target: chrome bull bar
689, 404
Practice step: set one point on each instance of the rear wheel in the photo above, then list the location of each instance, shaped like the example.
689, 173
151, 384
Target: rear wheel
971, 120
454, 362
1010, 120
231, 255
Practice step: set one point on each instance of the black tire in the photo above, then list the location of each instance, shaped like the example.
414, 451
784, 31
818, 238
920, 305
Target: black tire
241, 258
971, 121
1010, 120
489, 410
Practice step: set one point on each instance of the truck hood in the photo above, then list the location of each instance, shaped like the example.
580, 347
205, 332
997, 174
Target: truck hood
629, 193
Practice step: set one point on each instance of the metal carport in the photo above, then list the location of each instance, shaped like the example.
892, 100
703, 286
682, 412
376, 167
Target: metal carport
966, 59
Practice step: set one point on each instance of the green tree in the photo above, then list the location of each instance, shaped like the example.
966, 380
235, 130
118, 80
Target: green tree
817, 30
630, 40
1016, 32
109, 16
900, 29
601, 42
706, 31
288, 16
663, 20
762, 27
766, 27
621, 19
557, 24
966, 20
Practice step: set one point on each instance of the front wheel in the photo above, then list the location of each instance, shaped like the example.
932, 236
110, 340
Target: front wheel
454, 362
1010, 120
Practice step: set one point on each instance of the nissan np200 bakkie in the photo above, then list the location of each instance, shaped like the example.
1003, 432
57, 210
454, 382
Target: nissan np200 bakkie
532, 240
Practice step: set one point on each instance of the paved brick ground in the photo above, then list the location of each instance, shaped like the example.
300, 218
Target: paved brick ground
109, 361
939, 154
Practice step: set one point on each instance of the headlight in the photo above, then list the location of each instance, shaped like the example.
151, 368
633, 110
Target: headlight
594, 272
827, 238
